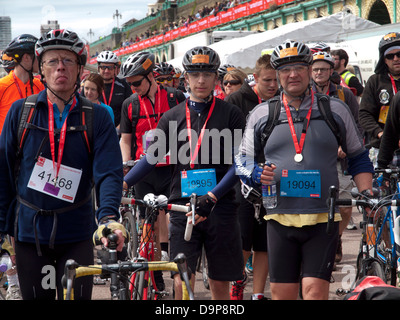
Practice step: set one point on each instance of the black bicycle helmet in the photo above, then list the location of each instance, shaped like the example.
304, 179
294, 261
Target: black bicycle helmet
224, 69
163, 69
62, 39
24, 43
388, 40
141, 63
7, 63
290, 51
202, 59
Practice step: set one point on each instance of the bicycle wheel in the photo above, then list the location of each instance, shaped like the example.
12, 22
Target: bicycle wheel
138, 285
374, 268
130, 224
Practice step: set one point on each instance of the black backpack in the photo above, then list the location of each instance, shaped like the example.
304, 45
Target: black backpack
324, 107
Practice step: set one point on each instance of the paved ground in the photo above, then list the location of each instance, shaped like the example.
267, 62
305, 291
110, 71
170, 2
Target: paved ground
342, 277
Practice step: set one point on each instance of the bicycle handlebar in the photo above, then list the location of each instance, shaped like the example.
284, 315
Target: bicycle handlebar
365, 202
73, 270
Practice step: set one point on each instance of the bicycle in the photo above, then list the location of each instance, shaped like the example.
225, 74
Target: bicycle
121, 272
369, 262
143, 285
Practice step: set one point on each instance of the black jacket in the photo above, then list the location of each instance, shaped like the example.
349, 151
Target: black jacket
245, 98
378, 86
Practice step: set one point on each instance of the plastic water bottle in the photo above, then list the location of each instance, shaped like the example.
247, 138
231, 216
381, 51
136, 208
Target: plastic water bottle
269, 196
5, 263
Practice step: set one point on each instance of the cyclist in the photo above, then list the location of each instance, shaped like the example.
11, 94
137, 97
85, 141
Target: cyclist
115, 90
219, 90
20, 82
233, 80
140, 115
164, 73
253, 229
341, 60
303, 153
193, 159
379, 91
322, 69
93, 87
48, 207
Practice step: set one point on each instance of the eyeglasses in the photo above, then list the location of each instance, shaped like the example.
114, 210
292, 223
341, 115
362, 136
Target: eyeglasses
322, 70
231, 82
299, 68
136, 83
107, 67
390, 56
66, 62
161, 80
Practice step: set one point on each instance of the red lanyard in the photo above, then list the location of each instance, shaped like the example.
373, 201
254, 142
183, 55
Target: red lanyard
62, 138
111, 93
259, 99
159, 107
189, 125
297, 146
393, 84
16, 83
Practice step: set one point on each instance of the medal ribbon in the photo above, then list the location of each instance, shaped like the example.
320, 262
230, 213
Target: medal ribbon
111, 93
298, 146
57, 165
393, 84
189, 125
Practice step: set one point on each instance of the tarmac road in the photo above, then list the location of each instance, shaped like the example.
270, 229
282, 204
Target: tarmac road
342, 277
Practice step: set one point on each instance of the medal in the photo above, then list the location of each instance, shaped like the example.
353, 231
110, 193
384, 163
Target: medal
298, 157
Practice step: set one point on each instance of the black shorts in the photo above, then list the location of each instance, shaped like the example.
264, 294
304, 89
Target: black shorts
253, 231
300, 252
220, 235
157, 181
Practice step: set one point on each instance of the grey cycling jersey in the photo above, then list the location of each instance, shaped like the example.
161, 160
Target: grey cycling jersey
319, 152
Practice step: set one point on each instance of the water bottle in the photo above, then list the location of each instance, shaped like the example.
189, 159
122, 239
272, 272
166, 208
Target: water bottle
5, 263
269, 196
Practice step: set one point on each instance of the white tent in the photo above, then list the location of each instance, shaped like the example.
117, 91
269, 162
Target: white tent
244, 52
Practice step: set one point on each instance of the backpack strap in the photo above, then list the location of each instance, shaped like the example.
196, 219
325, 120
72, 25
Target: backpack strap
87, 120
27, 114
274, 106
324, 107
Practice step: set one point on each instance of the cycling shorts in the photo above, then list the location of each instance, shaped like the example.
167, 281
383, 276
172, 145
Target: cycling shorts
157, 182
219, 234
295, 253
253, 231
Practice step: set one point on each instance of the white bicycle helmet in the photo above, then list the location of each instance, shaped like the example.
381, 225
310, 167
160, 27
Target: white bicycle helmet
323, 56
61, 39
107, 57
290, 51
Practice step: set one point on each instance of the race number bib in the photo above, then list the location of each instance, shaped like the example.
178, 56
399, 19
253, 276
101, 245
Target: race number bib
42, 180
301, 183
197, 181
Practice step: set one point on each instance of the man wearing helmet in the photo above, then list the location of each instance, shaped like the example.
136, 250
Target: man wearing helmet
140, 115
301, 148
164, 74
20, 82
50, 202
380, 89
192, 132
115, 90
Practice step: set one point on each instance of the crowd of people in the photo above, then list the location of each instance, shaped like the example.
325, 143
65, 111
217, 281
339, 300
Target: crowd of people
65, 137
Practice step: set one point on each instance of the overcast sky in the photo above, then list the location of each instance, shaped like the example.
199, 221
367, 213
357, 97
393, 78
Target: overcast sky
80, 16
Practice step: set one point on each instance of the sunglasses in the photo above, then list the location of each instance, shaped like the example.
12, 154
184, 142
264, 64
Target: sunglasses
136, 83
107, 67
390, 56
231, 82
169, 79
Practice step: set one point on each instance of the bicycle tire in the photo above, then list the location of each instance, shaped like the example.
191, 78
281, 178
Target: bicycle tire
138, 285
130, 224
374, 268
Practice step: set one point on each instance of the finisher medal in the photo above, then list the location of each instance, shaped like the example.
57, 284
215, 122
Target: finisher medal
298, 157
